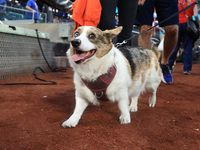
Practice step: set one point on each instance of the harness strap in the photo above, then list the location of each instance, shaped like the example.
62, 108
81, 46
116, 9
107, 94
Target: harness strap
99, 86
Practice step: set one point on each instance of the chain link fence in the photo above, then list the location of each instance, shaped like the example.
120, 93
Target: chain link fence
20, 54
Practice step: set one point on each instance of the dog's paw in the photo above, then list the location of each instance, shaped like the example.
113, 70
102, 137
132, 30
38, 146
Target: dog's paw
125, 119
152, 104
133, 108
69, 123
152, 100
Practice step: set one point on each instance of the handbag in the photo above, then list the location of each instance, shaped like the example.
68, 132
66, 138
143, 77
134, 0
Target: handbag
192, 28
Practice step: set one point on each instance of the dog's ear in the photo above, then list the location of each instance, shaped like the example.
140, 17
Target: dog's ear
110, 34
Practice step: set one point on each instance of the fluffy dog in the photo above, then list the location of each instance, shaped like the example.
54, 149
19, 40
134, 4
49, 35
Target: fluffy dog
101, 71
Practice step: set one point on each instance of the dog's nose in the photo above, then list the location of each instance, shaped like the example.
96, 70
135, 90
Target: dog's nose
76, 43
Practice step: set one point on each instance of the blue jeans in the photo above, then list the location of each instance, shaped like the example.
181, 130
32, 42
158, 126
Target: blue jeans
187, 44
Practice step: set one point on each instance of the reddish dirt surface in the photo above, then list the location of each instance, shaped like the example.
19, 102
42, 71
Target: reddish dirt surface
31, 117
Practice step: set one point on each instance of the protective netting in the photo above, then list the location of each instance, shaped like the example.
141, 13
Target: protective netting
19, 55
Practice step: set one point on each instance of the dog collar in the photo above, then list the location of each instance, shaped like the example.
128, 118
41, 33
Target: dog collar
99, 86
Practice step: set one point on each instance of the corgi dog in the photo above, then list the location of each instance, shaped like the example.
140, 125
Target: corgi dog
102, 71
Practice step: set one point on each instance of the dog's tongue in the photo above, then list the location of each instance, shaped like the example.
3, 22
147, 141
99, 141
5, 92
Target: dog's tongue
78, 57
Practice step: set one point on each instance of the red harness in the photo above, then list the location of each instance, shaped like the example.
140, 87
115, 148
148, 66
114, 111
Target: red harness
99, 86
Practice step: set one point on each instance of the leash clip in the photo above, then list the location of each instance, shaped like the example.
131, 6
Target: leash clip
120, 44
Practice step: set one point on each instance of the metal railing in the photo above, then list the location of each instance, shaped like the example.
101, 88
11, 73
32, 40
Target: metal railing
14, 15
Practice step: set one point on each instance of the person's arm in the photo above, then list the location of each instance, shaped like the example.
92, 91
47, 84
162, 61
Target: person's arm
195, 12
161, 29
29, 8
4, 8
141, 2
188, 2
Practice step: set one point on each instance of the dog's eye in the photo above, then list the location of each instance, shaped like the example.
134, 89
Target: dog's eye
76, 34
92, 36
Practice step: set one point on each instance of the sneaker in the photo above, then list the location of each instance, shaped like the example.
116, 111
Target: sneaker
166, 73
186, 73
172, 70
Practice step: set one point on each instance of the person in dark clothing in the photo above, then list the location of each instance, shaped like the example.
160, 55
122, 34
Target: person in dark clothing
144, 18
183, 37
127, 12
48, 10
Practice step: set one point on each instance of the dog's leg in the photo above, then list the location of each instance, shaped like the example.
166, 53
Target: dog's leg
81, 105
152, 86
152, 99
133, 107
123, 107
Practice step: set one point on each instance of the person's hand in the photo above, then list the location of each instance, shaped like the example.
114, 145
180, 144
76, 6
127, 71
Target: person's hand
163, 31
141, 2
34, 11
188, 2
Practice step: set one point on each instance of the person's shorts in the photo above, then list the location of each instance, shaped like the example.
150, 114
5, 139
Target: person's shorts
164, 9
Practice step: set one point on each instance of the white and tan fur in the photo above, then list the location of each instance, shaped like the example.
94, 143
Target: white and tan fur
127, 84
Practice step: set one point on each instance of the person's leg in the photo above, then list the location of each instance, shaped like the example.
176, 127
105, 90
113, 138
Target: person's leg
187, 53
144, 19
165, 9
171, 37
107, 20
144, 39
2, 16
127, 12
173, 56
36, 20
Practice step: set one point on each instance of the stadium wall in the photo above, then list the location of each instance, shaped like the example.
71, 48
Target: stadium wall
20, 52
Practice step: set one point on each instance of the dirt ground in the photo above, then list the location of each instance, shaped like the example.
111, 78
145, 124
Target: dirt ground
31, 117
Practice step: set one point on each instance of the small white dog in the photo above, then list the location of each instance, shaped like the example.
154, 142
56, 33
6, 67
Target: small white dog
101, 71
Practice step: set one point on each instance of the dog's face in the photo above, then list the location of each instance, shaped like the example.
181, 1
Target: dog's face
88, 42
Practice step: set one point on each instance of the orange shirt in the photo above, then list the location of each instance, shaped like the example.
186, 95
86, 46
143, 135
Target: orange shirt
189, 12
86, 12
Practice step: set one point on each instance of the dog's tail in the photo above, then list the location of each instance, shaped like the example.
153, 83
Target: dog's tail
162, 78
158, 55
